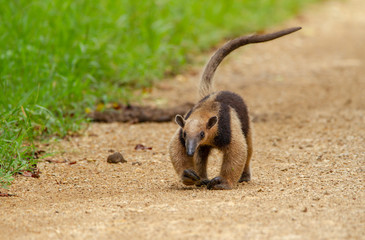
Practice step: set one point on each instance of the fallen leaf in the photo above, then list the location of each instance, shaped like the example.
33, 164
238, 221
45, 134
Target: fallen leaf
6, 194
116, 106
38, 153
55, 161
26, 173
34, 173
100, 107
142, 147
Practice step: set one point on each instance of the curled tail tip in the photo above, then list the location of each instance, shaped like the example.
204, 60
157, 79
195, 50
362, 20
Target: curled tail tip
206, 81
294, 29
297, 28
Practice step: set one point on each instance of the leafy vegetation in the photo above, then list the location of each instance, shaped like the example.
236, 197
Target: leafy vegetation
60, 57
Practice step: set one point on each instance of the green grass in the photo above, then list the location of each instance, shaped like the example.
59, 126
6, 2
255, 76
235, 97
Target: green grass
59, 57
15, 155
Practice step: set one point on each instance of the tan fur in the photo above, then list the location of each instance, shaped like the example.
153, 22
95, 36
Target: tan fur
235, 154
177, 152
246, 174
202, 129
179, 160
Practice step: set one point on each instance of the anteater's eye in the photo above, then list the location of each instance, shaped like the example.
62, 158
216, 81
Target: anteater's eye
202, 134
184, 135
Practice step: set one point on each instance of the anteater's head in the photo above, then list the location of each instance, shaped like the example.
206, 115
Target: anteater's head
197, 130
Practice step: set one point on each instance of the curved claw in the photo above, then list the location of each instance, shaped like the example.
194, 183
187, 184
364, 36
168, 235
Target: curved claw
189, 177
218, 183
202, 182
245, 177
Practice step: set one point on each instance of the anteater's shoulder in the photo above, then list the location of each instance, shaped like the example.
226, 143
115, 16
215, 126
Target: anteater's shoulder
233, 100
230, 98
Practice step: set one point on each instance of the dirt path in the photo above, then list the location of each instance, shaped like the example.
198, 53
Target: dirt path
307, 95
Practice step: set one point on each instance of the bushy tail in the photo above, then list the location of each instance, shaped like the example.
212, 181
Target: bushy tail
206, 82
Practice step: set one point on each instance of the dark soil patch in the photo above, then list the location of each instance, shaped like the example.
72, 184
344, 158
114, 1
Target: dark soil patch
138, 114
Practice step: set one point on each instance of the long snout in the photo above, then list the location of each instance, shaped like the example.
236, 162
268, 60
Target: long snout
190, 146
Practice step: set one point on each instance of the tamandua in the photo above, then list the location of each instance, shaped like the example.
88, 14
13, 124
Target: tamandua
219, 120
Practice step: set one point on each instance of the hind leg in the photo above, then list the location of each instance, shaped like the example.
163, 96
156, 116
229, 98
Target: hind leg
183, 165
246, 174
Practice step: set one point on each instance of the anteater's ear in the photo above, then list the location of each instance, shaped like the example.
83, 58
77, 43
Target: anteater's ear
180, 120
211, 122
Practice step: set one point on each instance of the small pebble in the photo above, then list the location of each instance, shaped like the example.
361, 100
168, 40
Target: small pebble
116, 158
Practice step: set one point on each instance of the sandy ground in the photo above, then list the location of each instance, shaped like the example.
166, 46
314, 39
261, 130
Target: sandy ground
307, 95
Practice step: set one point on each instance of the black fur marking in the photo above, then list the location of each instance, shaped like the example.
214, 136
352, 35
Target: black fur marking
182, 140
236, 102
211, 122
223, 137
204, 151
204, 99
188, 114
201, 162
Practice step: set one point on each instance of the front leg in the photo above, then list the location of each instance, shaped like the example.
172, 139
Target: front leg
201, 161
183, 165
234, 158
